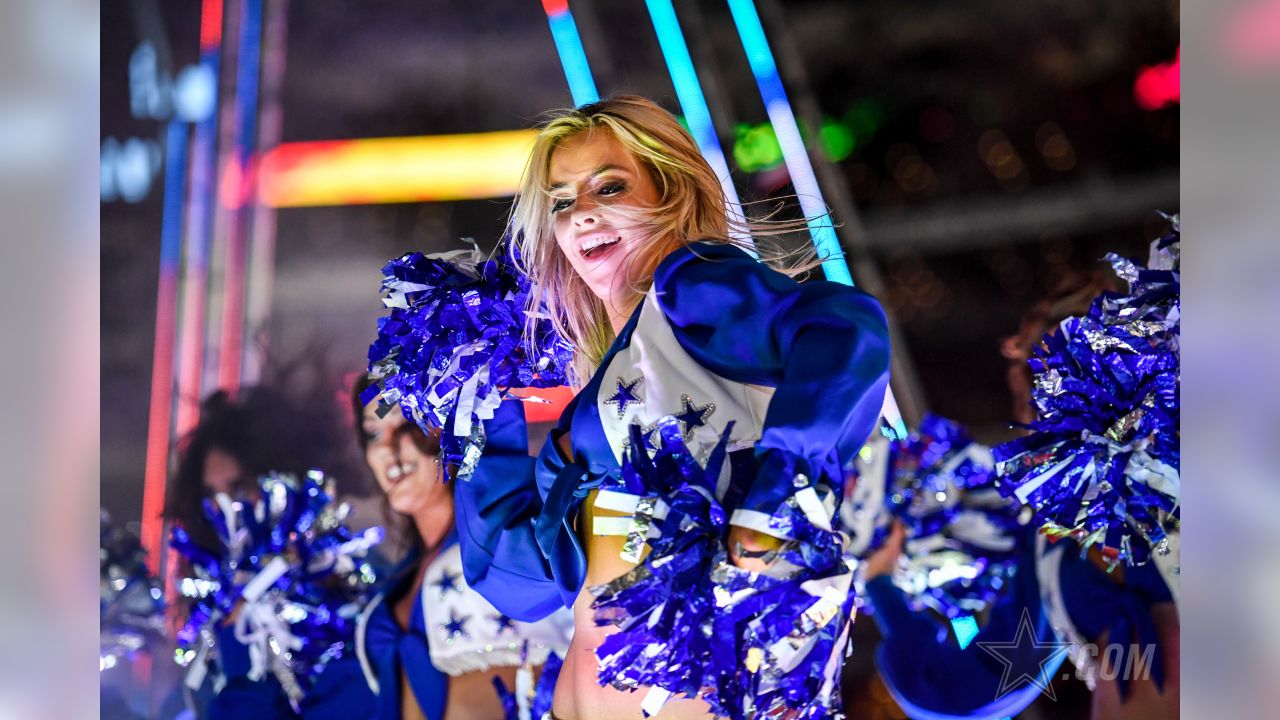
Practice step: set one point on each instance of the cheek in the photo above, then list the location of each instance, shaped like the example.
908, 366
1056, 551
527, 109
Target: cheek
570, 253
375, 468
564, 237
633, 216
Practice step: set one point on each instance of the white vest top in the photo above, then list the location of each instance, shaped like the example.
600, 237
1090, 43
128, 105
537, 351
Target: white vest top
465, 633
653, 377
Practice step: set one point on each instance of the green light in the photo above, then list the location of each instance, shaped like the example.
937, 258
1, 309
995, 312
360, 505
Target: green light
836, 140
755, 147
865, 118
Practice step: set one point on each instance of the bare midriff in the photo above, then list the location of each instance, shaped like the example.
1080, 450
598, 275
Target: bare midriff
471, 694
579, 695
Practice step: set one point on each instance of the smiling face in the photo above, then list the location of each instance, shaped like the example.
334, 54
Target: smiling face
404, 461
598, 195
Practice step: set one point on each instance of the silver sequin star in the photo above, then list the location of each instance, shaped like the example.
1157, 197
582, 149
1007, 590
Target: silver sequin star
625, 396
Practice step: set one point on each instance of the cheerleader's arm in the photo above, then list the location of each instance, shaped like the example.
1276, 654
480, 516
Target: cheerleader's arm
496, 511
931, 676
823, 346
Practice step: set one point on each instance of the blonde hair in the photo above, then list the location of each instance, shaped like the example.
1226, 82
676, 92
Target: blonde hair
691, 207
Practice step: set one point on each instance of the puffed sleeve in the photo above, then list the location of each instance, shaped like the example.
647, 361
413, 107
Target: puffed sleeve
495, 514
931, 676
823, 346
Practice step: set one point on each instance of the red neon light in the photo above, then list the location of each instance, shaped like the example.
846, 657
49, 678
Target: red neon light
1159, 85
555, 7
210, 24
157, 467
232, 346
236, 191
239, 183
288, 156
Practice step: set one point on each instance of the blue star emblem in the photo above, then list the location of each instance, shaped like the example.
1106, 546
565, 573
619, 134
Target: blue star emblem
693, 416
455, 628
1020, 655
503, 622
625, 396
448, 581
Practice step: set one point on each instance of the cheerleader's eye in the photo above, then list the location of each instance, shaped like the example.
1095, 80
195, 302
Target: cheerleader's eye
560, 205
612, 188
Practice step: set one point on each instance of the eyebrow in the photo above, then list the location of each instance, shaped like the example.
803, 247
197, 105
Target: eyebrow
598, 171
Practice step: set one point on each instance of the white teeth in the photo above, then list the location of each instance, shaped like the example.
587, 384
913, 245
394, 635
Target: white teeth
395, 472
596, 242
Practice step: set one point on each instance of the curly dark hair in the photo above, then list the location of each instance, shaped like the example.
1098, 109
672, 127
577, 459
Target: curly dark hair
1071, 296
256, 426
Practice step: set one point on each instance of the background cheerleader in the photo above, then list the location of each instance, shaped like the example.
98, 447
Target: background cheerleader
239, 439
1076, 602
430, 645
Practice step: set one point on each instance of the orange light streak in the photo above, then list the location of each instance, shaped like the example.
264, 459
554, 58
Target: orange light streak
393, 170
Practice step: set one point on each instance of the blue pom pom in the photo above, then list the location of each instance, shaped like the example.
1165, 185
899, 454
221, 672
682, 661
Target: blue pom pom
692, 624
545, 689
1102, 461
131, 603
291, 571
962, 537
458, 337
543, 692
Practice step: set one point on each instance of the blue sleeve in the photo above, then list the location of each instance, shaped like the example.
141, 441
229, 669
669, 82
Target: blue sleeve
823, 346
1097, 605
495, 514
932, 677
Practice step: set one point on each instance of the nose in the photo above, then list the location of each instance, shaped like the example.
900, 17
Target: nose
383, 447
406, 446
585, 212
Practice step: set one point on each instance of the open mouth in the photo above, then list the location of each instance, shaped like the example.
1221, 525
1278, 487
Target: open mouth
598, 245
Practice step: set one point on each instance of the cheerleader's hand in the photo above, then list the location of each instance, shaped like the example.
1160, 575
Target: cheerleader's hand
884, 560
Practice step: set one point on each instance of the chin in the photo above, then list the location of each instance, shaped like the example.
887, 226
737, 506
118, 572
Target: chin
602, 291
609, 282
406, 506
